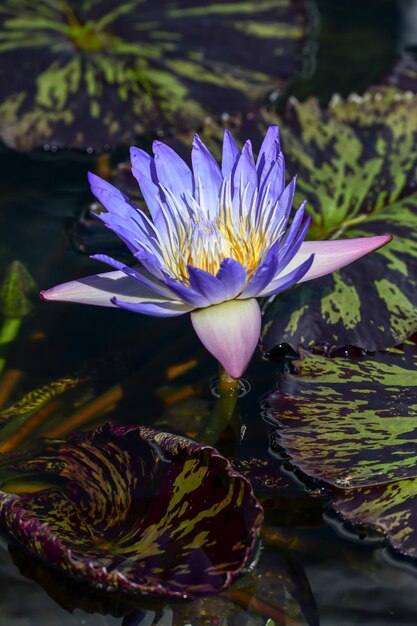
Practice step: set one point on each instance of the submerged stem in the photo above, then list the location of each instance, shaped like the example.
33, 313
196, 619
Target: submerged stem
8, 333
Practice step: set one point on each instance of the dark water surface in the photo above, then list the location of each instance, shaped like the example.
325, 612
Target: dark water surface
352, 583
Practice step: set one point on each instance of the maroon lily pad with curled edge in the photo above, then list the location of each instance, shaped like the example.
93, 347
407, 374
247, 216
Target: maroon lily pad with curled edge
139, 511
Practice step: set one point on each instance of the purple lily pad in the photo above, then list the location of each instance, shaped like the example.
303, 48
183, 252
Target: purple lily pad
139, 511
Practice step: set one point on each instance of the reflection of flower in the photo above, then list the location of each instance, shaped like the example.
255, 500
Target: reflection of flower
217, 239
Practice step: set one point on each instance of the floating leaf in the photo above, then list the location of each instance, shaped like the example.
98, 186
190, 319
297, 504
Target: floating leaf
140, 511
352, 424
391, 509
356, 163
93, 72
404, 74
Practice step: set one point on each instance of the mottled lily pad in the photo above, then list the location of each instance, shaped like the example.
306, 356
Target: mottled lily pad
391, 509
356, 162
134, 510
353, 425
350, 422
92, 72
404, 74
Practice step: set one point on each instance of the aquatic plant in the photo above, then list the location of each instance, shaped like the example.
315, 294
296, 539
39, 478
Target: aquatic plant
217, 239
94, 73
134, 510
351, 423
15, 304
357, 162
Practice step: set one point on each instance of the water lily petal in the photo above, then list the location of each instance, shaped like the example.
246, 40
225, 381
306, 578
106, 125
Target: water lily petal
207, 177
233, 277
268, 151
171, 170
161, 309
294, 238
330, 256
245, 175
230, 154
110, 197
186, 294
121, 216
230, 331
99, 289
206, 284
286, 199
151, 262
140, 274
272, 182
264, 274
143, 169
288, 280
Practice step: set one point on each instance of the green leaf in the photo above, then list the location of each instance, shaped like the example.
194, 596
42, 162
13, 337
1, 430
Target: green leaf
356, 163
16, 290
138, 511
92, 74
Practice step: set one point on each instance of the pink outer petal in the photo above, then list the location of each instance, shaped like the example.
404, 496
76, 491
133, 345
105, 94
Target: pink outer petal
99, 289
330, 256
230, 331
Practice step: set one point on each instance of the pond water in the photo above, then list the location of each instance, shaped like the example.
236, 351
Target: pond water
312, 570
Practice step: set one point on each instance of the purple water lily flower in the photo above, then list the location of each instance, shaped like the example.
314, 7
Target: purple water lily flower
216, 239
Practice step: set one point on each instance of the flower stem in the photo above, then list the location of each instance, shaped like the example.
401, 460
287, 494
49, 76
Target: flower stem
224, 408
228, 386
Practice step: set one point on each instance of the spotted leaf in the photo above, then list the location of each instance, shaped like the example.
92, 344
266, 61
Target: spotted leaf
139, 511
350, 422
390, 509
95, 73
356, 163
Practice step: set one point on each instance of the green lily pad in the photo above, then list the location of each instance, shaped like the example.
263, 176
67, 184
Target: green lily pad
134, 510
356, 162
352, 424
94, 73
349, 422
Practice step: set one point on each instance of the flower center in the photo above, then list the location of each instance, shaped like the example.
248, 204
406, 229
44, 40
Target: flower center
206, 244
